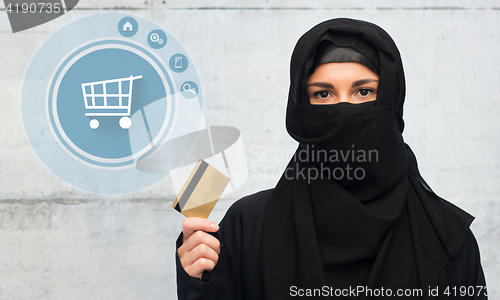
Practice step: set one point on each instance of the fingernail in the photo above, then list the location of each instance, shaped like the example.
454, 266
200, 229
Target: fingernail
214, 226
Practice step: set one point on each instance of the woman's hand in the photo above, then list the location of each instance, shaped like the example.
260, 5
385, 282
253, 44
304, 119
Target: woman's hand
199, 250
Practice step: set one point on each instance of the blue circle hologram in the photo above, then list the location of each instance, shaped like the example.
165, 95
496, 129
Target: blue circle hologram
74, 76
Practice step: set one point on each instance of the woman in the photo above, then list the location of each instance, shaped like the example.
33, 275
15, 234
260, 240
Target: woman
351, 216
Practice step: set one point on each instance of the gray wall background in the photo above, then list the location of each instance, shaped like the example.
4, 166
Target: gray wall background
61, 242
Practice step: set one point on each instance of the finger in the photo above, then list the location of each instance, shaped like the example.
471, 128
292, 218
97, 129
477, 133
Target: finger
202, 264
200, 251
200, 237
192, 224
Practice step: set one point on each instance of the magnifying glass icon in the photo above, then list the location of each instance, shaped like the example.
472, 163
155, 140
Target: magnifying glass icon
187, 88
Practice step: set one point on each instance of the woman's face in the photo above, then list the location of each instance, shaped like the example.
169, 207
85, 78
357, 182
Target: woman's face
333, 83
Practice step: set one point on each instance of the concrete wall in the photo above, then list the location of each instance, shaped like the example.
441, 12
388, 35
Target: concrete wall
61, 242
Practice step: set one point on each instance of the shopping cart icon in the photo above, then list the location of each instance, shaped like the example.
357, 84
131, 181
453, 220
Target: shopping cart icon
109, 98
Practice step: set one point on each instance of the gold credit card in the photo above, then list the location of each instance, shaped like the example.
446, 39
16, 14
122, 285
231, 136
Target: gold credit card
201, 191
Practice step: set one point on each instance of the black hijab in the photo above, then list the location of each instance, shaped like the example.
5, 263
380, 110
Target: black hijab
351, 209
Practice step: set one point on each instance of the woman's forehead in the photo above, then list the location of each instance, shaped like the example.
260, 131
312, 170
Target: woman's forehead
343, 70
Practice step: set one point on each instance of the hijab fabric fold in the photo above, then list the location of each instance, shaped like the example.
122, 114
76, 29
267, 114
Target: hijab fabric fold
351, 210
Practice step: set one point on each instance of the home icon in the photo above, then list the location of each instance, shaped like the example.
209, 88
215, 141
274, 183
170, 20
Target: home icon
128, 26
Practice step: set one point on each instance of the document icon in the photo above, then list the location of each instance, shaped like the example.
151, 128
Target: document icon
178, 62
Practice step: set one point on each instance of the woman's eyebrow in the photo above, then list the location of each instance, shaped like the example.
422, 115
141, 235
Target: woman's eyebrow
321, 84
362, 81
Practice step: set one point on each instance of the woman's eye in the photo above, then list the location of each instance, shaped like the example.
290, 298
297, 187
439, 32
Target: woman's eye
365, 92
322, 94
